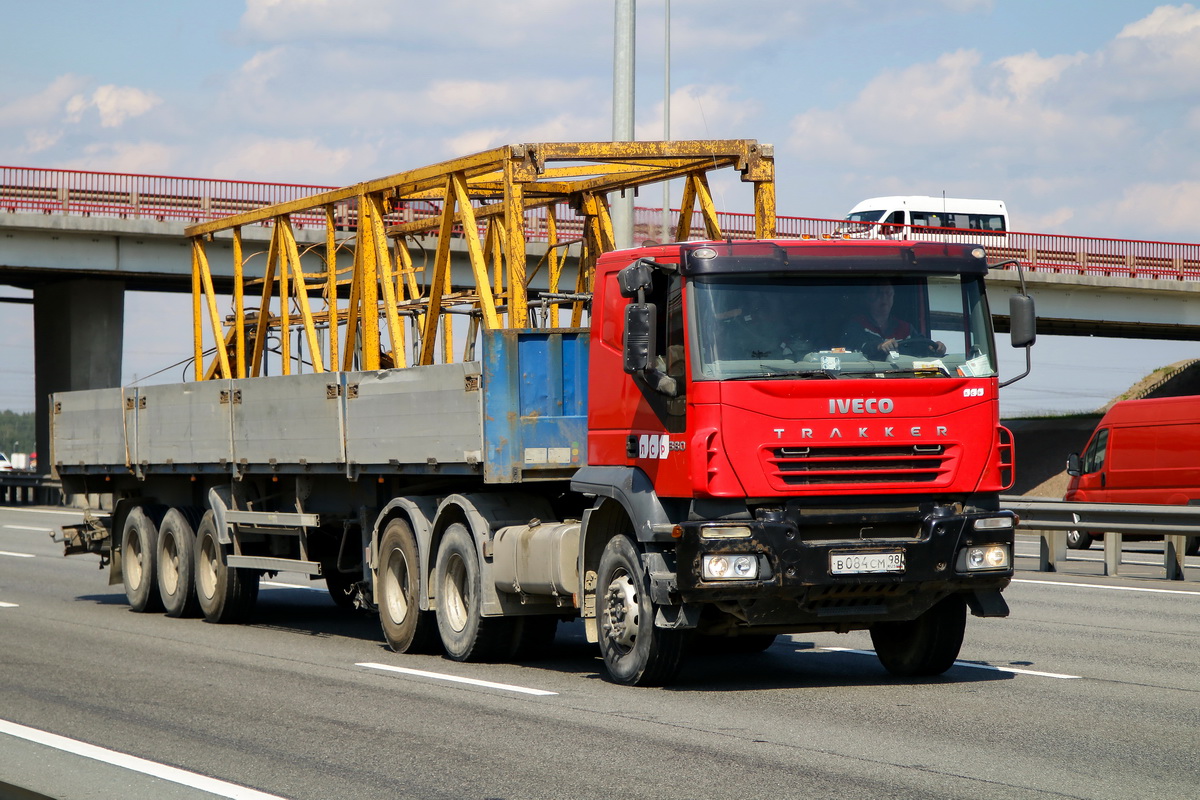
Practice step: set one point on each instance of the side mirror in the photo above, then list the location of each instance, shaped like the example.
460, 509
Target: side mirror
637, 277
1074, 469
1022, 322
640, 325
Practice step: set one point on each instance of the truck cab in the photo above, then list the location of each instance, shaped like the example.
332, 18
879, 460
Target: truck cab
788, 468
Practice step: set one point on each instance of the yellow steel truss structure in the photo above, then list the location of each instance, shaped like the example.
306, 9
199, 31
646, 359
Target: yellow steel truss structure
485, 199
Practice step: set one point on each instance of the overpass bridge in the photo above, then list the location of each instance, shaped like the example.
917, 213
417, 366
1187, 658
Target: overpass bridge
80, 240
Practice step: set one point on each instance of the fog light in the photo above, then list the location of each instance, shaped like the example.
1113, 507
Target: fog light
729, 568
992, 556
725, 532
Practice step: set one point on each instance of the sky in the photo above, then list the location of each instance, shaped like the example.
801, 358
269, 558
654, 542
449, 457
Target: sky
1082, 115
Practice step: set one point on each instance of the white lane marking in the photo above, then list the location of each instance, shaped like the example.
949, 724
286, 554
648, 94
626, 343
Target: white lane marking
16, 555
1102, 586
8, 605
60, 511
135, 764
42, 529
971, 664
456, 679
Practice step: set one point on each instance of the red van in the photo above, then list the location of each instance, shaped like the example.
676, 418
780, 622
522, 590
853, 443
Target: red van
1143, 451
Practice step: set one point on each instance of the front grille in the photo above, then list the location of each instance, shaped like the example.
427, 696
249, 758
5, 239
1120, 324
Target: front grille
854, 464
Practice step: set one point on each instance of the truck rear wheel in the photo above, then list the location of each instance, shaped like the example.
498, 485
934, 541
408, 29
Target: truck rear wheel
925, 646
405, 626
225, 594
176, 564
635, 652
139, 553
466, 634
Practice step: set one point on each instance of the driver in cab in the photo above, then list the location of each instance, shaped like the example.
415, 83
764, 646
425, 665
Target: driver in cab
877, 334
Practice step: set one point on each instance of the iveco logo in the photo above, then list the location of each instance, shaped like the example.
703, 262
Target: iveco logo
861, 405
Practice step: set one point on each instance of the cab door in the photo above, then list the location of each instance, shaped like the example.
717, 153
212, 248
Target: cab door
1092, 484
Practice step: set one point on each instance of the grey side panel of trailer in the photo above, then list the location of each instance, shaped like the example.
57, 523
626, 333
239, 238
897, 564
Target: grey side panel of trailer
183, 423
89, 427
417, 415
288, 419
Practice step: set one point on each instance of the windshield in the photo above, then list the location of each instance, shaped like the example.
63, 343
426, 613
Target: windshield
812, 327
865, 216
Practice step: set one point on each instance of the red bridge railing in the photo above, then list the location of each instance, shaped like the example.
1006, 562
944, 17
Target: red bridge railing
33, 190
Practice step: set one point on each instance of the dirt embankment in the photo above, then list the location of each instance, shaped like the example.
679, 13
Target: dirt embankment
1043, 444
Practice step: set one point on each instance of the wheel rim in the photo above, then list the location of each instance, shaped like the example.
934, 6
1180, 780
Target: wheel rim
135, 566
206, 572
395, 586
169, 568
456, 593
622, 613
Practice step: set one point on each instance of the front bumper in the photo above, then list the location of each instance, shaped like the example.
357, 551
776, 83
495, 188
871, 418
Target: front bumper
795, 575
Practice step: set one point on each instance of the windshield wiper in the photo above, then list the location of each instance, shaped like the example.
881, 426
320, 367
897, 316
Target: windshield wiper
789, 373
931, 368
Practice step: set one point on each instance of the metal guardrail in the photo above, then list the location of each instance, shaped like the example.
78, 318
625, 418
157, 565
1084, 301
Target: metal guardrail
1053, 518
29, 489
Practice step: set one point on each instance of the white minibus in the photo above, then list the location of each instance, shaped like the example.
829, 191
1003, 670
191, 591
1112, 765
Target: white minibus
917, 217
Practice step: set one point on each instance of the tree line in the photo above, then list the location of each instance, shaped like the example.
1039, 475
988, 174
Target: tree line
16, 432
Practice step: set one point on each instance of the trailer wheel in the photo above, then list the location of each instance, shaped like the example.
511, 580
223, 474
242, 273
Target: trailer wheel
176, 564
225, 594
636, 653
466, 634
139, 551
405, 626
1079, 540
925, 646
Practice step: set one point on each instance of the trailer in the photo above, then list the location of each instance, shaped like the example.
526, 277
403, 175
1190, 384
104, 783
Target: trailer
697, 438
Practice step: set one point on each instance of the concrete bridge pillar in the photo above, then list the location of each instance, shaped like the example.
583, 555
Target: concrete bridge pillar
78, 335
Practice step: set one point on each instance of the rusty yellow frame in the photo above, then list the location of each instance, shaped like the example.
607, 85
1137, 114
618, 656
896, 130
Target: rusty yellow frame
484, 199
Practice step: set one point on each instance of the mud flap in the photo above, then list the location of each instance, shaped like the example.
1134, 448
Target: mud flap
987, 603
680, 617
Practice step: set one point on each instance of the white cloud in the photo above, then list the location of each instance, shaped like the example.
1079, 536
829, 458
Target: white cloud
44, 106
711, 111
114, 104
290, 159
1164, 22
1160, 206
146, 157
298, 19
1029, 72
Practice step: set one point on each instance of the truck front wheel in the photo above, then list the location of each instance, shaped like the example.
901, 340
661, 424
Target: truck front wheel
925, 646
225, 594
139, 554
405, 626
635, 652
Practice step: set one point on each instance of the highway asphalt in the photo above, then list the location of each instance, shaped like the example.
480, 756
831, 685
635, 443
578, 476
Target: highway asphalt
1089, 690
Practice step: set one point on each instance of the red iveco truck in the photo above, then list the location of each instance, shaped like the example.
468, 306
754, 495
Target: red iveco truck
721, 452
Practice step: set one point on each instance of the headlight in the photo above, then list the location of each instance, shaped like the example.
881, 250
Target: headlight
729, 568
984, 557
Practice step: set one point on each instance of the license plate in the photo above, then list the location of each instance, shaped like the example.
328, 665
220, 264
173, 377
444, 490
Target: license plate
865, 563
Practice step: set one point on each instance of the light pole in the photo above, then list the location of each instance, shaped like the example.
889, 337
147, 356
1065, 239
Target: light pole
666, 205
623, 68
